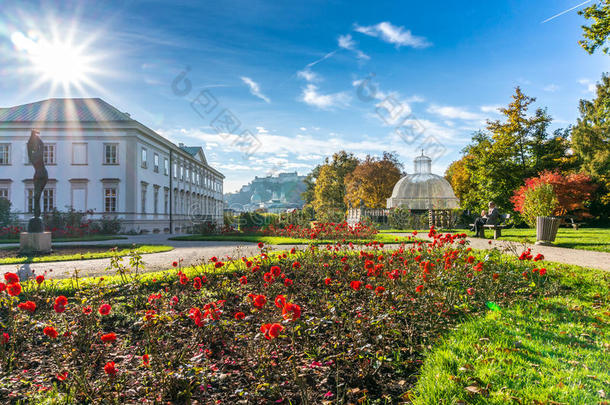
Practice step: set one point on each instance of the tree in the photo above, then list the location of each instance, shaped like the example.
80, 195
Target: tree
597, 33
5, 212
372, 181
510, 150
329, 190
573, 192
591, 140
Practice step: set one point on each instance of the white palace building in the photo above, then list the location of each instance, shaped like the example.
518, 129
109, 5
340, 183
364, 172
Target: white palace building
101, 160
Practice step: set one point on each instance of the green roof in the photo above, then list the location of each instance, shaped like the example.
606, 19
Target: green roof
64, 110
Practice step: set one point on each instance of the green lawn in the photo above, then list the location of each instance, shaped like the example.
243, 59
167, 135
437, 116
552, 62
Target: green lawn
281, 240
597, 239
92, 238
548, 351
124, 250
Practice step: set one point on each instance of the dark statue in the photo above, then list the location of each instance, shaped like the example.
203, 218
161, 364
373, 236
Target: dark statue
36, 155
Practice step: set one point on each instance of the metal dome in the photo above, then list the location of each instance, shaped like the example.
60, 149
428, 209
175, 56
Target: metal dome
423, 190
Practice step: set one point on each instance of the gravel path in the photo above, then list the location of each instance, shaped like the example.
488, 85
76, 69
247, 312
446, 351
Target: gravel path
193, 252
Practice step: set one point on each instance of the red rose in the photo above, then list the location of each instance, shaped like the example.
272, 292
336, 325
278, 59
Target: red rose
268, 277
61, 300
2, 287
379, 290
280, 301
219, 265
419, 288
287, 282
495, 276
470, 291
40, 279
13, 289
62, 376
4, 338
355, 285
239, 315
542, 271
175, 264
290, 307
27, 306
104, 309
146, 360
260, 245
87, 310
197, 283
259, 301
271, 331
11, 278
110, 368
296, 265
50, 332
213, 259
243, 280
328, 281
275, 270
108, 337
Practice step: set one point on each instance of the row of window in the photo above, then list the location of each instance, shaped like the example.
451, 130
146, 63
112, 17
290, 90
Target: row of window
79, 154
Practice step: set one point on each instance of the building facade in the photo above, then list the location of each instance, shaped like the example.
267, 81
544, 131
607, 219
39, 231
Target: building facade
271, 193
102, 161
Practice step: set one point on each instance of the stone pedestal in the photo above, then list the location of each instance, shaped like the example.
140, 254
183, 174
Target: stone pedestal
34, 243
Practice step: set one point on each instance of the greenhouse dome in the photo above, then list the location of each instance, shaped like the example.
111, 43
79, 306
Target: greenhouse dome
423, 190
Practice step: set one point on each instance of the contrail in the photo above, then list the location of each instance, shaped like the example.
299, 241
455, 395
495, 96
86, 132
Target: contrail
566, 11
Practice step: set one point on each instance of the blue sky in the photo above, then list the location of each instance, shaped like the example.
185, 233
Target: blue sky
298, 75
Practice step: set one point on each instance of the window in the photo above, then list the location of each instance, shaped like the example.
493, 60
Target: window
144, 158
110, 199
143, 198
4, 193
187, 175
156, 200
165, 166
165, 201
181, 172
48, 200
111, 154
5, 153
156, 163
79, 153
175, 170
49, 154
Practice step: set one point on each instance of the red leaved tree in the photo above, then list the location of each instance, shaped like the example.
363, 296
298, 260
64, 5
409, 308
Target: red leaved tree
573, 191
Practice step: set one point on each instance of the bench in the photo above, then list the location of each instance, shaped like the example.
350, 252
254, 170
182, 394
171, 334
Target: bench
497, 228
569, 221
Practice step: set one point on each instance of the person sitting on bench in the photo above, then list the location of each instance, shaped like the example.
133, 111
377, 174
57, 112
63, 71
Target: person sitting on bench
491, 217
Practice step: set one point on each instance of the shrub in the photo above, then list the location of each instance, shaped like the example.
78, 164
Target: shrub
539, 201
300, 327
403, 218
6, 217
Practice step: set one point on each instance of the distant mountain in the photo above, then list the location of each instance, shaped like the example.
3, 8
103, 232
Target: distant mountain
275, 194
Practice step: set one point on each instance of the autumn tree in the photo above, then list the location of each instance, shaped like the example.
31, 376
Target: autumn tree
372, 181
596, 34
329, 190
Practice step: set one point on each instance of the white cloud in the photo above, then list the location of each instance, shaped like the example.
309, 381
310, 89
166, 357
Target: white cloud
393, 35
308, 75
303, 129
551, 88
255, 88
588, 84
491, 109
346, 42
312, 97
454, 112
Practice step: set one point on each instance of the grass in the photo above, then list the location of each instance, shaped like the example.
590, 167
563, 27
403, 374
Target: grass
124, 250
282, 240
549, 351
91, 238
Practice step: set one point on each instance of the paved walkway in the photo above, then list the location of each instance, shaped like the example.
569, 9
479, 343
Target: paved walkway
194, 252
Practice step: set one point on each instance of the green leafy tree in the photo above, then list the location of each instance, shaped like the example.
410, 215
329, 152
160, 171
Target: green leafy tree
591, 142
329, 190
596, 34
510, 150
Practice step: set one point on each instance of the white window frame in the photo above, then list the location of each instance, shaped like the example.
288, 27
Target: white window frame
6, 159
116, 154
50, 149
115, 197
156, 162
165, 166
144, 158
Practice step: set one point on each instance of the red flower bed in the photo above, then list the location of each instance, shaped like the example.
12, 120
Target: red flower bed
324, 231
349, 325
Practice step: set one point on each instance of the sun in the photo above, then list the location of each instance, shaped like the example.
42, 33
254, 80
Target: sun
60, 63
56, 61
